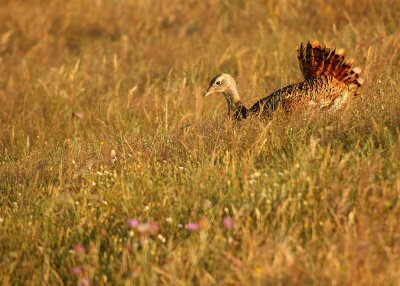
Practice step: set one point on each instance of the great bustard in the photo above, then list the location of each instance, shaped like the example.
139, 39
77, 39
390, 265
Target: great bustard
329, 81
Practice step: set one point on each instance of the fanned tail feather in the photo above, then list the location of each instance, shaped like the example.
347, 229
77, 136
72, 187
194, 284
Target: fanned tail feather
316, 60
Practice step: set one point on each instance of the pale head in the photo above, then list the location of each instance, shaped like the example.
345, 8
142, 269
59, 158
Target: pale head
225, 84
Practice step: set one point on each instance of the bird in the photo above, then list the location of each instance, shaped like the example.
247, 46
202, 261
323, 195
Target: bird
329, 82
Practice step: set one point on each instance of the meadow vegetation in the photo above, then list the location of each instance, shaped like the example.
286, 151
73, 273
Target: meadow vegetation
114, 169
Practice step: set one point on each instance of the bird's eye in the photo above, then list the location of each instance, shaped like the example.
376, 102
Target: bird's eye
218, 82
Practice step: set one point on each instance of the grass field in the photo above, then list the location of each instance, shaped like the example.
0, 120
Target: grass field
114, 169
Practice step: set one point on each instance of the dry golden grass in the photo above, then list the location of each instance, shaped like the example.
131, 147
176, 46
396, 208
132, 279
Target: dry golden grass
314, 198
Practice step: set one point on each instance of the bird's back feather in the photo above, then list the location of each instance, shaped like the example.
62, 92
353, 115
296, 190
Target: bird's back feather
317, 60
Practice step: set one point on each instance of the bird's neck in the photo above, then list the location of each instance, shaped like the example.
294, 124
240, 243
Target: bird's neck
235, 107
233, 100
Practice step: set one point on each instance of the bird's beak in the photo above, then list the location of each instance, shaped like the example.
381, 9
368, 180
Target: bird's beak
207, 92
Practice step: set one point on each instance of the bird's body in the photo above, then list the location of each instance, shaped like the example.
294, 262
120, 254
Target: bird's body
328, 83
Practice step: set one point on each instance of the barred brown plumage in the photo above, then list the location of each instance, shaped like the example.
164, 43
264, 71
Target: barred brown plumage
329, 81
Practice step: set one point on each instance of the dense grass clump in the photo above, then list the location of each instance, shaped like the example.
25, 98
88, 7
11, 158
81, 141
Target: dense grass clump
113, 169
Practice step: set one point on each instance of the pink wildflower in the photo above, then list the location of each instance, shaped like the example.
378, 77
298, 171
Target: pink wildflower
76, 271
228, 224
153, 228
133, 223
85, 281
193, 227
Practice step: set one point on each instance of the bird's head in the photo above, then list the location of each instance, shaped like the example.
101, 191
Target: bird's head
225, 84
